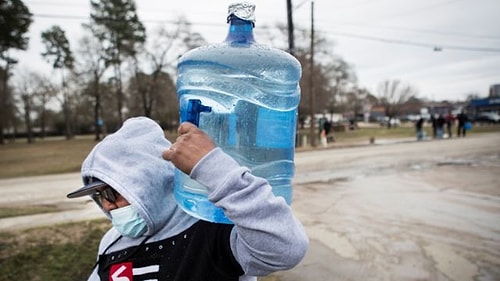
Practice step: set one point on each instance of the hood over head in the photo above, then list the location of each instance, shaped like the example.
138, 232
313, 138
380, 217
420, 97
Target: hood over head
130, 161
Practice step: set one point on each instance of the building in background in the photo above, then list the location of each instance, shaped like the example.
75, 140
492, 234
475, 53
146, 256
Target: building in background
489, 104
495, 91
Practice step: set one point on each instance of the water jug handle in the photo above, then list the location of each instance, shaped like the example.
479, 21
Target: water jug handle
191, 113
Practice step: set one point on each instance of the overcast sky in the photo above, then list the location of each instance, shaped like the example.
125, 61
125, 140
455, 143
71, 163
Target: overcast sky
380, 39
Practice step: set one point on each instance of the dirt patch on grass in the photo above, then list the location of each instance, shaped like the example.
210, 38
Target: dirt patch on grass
11, 211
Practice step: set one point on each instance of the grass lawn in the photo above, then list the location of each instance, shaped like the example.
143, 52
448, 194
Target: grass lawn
59, 252
56, 155
47, 156
6, 212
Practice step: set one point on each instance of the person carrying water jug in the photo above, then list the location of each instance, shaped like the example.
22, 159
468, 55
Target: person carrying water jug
130, 175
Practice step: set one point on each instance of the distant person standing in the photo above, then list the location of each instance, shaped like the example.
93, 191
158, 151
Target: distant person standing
462, 119
449, 119
440, 126
328, 128
419, 128
324, 130
434, 125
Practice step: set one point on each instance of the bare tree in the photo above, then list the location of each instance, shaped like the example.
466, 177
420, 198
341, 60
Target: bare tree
339, 74
472, 95
392, 95
330, 72
161, 55
358, 102
116, 25
30, 90
8, 106
159, 100
317, 60
46, 91
58, 53
168, 44
93, 65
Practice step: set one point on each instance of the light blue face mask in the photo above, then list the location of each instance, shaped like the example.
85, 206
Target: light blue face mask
128, 222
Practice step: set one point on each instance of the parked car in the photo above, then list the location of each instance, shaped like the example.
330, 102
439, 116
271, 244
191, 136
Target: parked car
395, 122
487, 117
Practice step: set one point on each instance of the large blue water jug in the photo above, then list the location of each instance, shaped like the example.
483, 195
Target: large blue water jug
245, 96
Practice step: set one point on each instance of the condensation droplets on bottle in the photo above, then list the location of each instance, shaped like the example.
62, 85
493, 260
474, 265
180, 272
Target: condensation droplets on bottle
245, 96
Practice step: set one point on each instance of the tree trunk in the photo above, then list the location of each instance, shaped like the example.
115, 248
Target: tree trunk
4, 93
27, 118
119, 92
97, 121
42, 121
67, 119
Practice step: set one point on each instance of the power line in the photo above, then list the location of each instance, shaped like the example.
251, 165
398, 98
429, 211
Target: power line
68, 17
478, 36
424, 31
437, 47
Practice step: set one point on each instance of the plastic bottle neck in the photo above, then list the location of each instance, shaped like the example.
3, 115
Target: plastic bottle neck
240, 31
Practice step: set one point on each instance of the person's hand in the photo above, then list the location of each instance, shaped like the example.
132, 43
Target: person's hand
191, 145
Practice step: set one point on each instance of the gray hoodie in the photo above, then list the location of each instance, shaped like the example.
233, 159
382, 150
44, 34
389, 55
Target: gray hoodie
266, 236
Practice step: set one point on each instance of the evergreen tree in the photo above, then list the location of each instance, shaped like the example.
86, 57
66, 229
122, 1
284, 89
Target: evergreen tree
15, 19
116, 24
58, 53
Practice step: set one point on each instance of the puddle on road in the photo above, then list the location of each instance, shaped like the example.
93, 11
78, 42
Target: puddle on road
330, 181
457, 162
344, 175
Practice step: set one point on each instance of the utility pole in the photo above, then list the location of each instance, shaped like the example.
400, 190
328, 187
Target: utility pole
312, 133
291, 39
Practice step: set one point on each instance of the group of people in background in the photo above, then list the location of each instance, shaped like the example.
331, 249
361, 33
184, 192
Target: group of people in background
442, 124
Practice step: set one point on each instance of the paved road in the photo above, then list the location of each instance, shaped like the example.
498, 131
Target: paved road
406, 211
409, 211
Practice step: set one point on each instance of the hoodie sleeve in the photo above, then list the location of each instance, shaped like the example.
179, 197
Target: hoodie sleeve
267, 237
